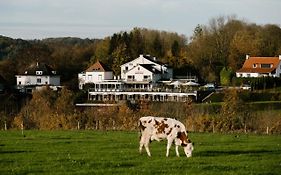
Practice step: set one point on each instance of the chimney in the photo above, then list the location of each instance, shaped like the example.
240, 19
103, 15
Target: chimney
247, 57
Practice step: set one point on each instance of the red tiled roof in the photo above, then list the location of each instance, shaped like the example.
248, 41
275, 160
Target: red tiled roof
98, 67
248, 64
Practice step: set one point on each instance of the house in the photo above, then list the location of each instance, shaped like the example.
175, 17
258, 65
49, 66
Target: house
260, 67
145, 70
138, 79
96, 73
36, 76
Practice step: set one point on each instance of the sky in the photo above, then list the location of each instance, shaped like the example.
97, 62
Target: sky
39, 19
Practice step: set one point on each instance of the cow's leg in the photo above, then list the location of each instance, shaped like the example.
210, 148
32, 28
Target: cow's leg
169, 144
177, 150
145, 142
177, 143
141, 145
146, 145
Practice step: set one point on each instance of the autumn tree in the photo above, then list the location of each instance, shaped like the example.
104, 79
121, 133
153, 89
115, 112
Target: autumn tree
119, 57
231, 117
226, 75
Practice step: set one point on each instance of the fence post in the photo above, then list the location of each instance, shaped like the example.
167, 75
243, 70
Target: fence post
267, 130
22, 128
97, 124
78, 125
5, 126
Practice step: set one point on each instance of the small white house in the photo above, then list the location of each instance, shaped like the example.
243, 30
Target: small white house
260, 67
96, 73
38, 74
156, 69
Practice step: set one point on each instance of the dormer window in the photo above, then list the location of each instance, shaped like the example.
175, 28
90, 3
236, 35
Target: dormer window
255, 65
39, 72
54, 72
266, 66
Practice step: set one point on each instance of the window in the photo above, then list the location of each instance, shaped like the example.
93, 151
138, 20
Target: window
19, 82
146, 77
38, 80
126, 68
254, 65
90, 77
46, 82
131, 77
248, 75
39, 72
266, 65
99, 77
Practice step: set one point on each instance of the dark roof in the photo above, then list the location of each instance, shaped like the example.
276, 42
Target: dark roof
98, 67
150, 68
153, 59
44, 68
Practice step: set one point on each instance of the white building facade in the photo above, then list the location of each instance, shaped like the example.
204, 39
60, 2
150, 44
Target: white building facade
38, 74
136, 68
96, 73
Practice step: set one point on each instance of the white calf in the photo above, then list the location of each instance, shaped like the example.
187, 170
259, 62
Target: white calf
158, 128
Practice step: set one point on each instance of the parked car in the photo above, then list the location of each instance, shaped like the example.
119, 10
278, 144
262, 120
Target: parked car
246, 87
209, 86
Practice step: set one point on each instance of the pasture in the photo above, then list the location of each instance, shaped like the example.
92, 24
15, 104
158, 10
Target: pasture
116, 152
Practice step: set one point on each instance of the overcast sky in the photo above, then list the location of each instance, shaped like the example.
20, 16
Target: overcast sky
37, 19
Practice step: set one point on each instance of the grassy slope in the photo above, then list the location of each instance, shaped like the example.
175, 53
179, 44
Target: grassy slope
92, 152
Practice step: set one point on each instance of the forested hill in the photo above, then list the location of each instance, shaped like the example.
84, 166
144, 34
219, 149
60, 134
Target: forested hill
223, 42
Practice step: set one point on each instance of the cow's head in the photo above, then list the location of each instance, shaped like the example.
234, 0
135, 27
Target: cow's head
185, 143
188, 148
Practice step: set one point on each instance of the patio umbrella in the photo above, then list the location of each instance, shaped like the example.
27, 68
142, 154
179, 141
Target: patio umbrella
191, 83
176, 83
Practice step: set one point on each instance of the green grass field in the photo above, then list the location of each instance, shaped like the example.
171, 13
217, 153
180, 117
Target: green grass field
116, 152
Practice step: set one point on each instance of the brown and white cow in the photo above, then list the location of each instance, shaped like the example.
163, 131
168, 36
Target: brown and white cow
159, 128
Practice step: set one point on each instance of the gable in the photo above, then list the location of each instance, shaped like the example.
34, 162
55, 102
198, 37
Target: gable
142, 59
98, 67
139, 70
